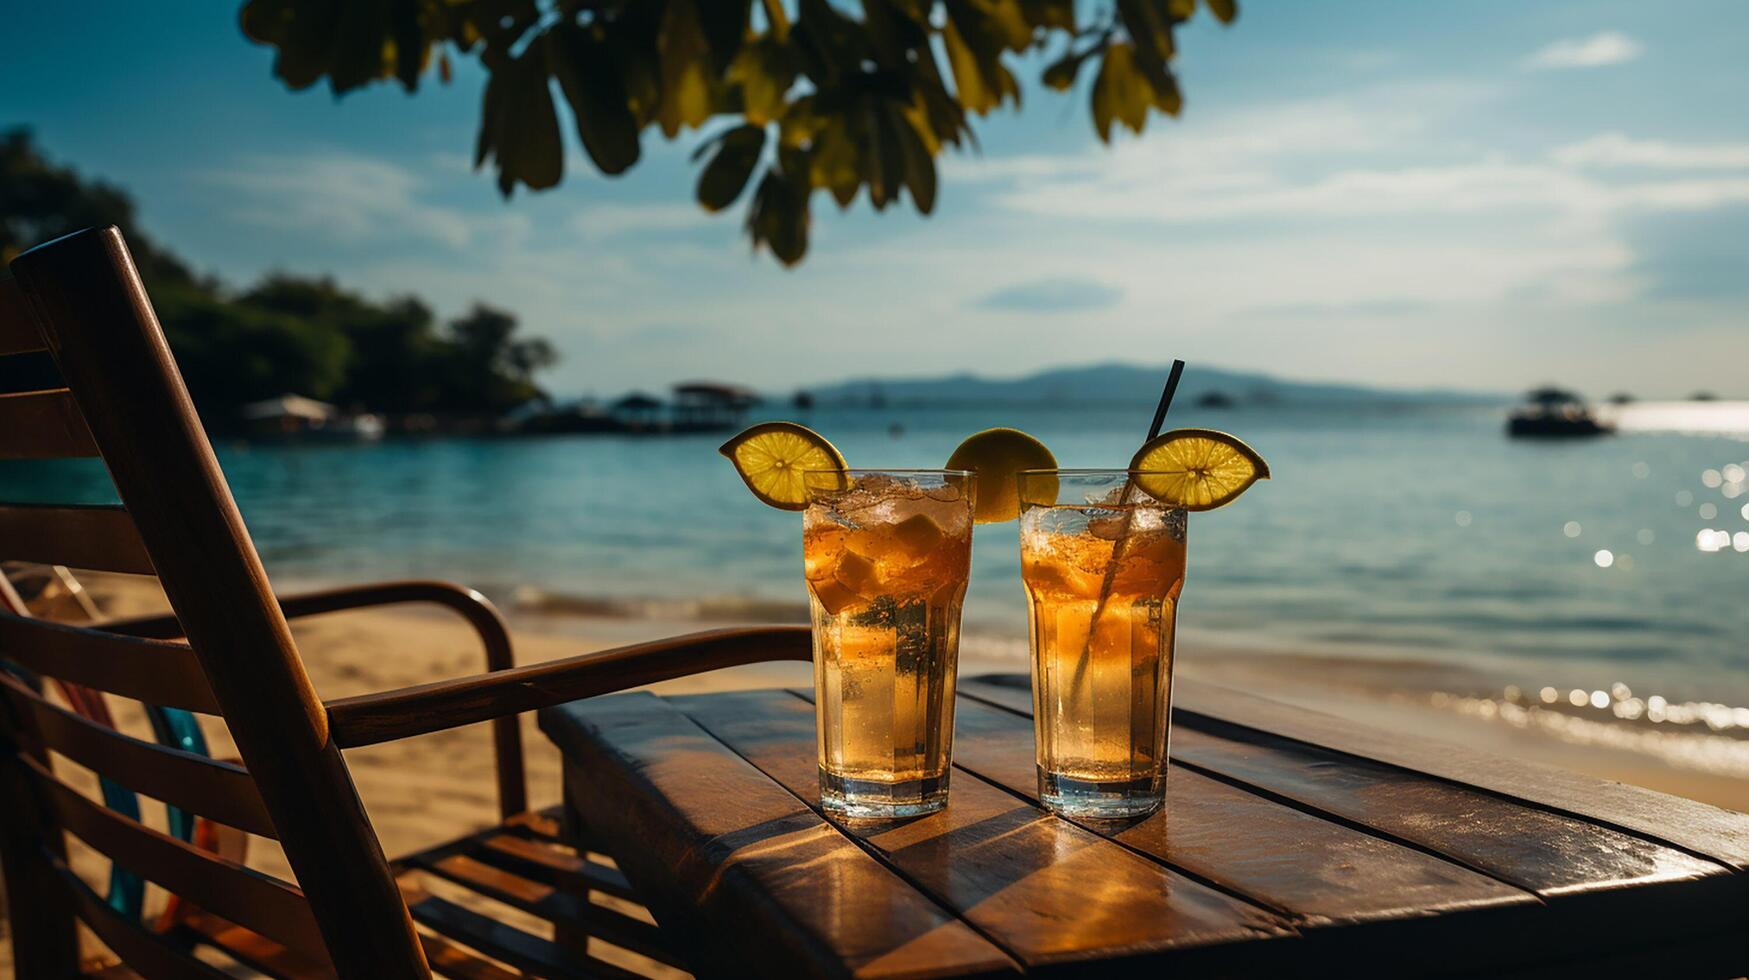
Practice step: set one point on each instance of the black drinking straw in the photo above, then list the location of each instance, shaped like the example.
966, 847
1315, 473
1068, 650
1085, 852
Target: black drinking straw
1123, 537
1166, 399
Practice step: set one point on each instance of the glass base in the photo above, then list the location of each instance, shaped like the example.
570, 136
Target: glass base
1110, 800
874, 799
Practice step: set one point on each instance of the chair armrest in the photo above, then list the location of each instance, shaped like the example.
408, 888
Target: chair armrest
372, 718
470, 604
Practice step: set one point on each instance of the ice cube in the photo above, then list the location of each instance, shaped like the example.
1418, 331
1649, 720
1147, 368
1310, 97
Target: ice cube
1110, 498
855, 572
834, 597
1110, 527
1149, 518
947, 493
918, 535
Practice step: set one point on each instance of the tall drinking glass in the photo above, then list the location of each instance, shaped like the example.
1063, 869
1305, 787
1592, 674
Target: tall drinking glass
886, 553
1103, 565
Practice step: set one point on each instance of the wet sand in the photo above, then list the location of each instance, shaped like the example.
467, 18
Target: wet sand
428, 789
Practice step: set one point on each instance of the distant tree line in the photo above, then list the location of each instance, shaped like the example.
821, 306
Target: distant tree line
287, 333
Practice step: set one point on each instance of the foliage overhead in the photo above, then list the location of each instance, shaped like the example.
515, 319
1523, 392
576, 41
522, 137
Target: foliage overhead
286, 333
811, 94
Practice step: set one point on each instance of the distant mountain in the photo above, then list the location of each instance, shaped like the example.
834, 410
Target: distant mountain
1111, 384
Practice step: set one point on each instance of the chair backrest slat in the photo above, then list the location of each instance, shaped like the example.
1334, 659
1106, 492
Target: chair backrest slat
43, 425
124, 396
146, 953
153, 671
18, 333
249, 898
217, 790
101, 537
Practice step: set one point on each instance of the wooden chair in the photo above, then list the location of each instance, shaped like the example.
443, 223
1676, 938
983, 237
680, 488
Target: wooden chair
228, 652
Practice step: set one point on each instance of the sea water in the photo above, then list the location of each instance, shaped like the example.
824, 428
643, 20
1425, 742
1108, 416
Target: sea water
1388, 532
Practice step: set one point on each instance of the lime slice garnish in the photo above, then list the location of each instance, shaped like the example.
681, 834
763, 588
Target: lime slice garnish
998, 456
1197, 469
774, 458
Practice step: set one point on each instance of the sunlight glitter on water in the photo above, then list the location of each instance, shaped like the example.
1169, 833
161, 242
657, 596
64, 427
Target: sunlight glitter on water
1699, 735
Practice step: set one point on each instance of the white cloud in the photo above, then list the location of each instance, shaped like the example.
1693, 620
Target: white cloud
1598, 50
1220, 221
1619, 150
340, 196
603, 220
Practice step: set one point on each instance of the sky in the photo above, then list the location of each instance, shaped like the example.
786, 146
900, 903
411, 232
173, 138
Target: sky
1484, 195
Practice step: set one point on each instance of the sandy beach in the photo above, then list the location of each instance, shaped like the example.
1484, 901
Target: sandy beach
428, 789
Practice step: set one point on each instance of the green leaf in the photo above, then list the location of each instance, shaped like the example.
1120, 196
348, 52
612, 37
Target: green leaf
1050, 14
264, 21
1120, 93
359, 40
1149, 27
828, 44
1226, 11
836, 163
919, 161
307, 49
640, 72
883, 157
968, 74
525, 129
975, 35
765, 71
1162, 86
724, 25
898, 30
998, 23
778, 18
1060, 74
594, 87
686, 74
412, 47
724, 177
491, 119
779, 218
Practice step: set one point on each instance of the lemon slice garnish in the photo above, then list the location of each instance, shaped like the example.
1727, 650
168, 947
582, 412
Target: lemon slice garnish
1197, 469
997, 455
774, 458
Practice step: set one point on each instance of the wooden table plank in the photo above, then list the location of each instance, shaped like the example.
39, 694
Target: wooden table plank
1045, 890
1595, 877
1315, 870
1531, 847
1545, 852
1688, 824
740, 866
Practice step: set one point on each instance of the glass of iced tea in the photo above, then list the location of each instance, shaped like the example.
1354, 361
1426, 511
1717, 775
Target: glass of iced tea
1103, 564
886, 554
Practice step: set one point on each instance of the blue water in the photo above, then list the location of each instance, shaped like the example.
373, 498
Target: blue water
1394, 533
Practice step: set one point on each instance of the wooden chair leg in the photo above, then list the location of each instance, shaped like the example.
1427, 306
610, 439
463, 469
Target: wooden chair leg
570, 828
45, 939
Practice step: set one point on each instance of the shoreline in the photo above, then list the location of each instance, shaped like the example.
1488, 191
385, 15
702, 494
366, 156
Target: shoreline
1691, 755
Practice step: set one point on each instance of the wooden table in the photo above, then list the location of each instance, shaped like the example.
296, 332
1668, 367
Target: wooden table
1291, 841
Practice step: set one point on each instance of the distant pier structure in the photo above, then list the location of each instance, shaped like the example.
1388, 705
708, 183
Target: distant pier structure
696, 406
710, 406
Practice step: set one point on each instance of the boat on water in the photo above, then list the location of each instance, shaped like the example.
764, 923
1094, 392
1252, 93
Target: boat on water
1554, 413
295, 418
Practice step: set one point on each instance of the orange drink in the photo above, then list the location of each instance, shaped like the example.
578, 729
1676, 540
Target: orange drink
886, 555
1103, 565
